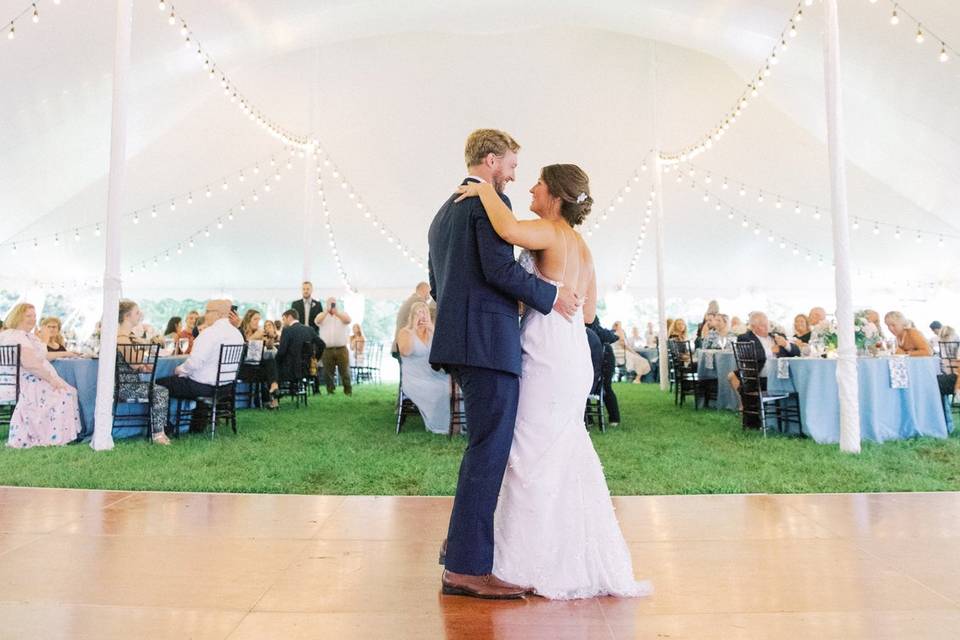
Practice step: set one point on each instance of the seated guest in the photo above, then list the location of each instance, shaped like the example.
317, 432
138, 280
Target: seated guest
636, 341
266, 372
293, 340
358, 343
131, 386
718, 336
429, 389
271, 336
191, 326
816, 316
604, 365
801, 330
737, 327
713, 308
333, 324
678, 330
650, 337
196, 377
632, 361
47, 411
769, 346
935, 327
174, 327
909, 339
420, 294
50, 335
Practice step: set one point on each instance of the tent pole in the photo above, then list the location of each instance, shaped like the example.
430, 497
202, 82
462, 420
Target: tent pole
657, 169
847, 360
661, 296
103, 415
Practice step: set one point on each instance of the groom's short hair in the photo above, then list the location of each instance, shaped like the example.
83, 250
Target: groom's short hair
485, 141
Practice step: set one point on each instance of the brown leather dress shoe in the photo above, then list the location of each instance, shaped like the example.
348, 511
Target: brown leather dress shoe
488, 587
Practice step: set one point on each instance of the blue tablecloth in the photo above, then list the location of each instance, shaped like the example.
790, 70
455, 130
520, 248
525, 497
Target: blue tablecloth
714, 364
885, 413
81, 373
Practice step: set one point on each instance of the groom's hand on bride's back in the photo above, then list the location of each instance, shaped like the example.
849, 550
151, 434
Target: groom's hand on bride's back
567, 302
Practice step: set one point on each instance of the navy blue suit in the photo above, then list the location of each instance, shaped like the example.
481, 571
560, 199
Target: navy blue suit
476, 282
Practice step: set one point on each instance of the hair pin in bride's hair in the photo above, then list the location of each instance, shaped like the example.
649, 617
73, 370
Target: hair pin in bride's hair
581, 198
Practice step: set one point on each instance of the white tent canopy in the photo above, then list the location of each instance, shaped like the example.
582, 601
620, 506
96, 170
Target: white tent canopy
399, 85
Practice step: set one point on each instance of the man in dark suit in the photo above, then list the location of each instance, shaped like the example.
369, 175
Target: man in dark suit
768, 345
307, 307
294, 338
607, 367
477, 283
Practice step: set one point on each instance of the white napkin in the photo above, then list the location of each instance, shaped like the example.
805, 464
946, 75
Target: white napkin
708, 359
899, 377
783, 369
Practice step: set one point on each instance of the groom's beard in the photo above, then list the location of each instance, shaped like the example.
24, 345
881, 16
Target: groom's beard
499, 183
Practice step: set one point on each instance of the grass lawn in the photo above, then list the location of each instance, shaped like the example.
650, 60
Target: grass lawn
345, 445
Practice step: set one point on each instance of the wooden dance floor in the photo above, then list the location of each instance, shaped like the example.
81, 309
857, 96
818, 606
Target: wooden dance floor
105, 565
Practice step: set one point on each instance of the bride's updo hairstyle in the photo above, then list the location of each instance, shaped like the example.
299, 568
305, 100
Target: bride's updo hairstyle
569, 183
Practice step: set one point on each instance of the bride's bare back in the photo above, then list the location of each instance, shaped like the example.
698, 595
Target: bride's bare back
568, 260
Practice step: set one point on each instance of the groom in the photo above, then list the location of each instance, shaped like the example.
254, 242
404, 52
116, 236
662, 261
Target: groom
477, 282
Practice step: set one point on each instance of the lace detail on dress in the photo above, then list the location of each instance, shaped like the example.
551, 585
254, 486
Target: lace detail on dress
528, 263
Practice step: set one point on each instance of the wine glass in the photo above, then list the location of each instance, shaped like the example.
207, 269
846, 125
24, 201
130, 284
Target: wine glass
183, 344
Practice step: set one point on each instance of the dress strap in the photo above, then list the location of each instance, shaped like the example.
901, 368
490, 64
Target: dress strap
563, 274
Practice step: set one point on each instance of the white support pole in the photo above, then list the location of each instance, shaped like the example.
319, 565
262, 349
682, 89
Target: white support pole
661, 295
657, 169
103, 415
847, 353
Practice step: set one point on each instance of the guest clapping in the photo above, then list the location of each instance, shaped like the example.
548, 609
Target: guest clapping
334, 324
429, 389
47, 412
909, 339
718, 334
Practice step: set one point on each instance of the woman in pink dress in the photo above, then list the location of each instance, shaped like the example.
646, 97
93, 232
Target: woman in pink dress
47, 412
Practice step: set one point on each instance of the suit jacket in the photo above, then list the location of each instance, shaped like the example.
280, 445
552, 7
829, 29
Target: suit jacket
293, 340
792, 350
476, 282
316, 308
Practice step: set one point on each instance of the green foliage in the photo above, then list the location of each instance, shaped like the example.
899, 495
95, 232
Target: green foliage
347, 446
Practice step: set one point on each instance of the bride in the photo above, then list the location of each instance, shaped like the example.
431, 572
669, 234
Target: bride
555, 528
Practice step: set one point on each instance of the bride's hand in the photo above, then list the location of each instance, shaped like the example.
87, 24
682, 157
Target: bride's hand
469, 190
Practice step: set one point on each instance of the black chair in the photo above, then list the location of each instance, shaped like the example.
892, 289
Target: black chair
249, 374
755, 398
458, 414
369, 371
133, 384
9, 381
405, 406
949, 367
594, 410
301, 383
685, 379
222, 405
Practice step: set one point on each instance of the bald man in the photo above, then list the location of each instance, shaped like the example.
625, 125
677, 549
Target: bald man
816, 316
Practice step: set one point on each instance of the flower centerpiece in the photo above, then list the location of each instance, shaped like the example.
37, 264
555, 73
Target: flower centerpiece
823, 338
866, 334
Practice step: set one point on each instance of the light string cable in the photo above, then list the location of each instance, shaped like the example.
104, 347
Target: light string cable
230, 91
752, 90
154, 211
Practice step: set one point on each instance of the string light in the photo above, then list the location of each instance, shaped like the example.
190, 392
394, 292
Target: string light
707, 141
898, 13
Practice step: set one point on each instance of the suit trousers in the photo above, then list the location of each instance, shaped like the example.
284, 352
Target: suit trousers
490, 400
336, 358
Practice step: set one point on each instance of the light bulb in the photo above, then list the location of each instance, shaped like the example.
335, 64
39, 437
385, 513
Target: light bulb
173, 205
162, 5
208, 192
96, 231
172, 19
896, 234
189, 198
816, 214
856, 224
943, 53
724, 186
12, 33
793, 30
876, 229
796, 209
894, 17
225, 186
919, 37
743, 190
760, 196
744, 223
219, 223
36, 15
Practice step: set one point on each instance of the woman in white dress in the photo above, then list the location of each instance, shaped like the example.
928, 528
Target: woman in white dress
47, 413
555, 528
429, 389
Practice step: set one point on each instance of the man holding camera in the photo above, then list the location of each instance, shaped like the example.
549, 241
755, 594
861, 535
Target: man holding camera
334, 325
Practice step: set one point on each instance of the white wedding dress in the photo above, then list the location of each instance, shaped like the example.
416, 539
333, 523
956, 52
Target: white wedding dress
555, 528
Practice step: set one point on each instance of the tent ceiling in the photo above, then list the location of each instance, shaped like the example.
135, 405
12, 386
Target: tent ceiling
395, 88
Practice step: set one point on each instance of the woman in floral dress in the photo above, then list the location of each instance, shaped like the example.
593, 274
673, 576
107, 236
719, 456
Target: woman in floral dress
47, 412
